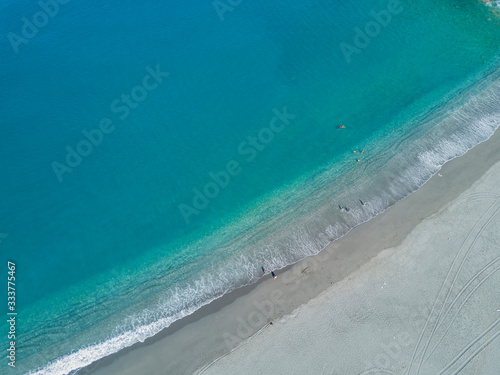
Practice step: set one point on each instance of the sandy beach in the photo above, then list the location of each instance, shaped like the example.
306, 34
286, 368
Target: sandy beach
418, 281
242, 187
427, 306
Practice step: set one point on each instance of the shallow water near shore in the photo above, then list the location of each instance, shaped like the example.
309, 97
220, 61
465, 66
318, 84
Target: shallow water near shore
107, 256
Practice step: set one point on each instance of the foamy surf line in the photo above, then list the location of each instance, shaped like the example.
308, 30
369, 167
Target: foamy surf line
85, 356
472, 123
492, 3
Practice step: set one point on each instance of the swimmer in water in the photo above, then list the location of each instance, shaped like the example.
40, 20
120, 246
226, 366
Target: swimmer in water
341, 127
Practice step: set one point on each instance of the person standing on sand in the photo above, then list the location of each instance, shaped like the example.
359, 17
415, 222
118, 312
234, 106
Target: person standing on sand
266, 272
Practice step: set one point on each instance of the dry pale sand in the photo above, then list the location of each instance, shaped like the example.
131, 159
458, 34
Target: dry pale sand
333, 314
428, 306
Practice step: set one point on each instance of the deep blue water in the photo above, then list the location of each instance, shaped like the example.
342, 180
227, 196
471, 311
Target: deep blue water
102, 247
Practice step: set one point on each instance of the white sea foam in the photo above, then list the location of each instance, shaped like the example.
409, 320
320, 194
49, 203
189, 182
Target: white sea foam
492, 3
411, 164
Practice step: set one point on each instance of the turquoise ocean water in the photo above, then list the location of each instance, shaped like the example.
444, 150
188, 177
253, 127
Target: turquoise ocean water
109, 246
